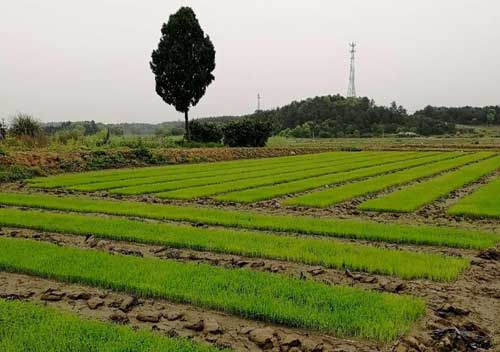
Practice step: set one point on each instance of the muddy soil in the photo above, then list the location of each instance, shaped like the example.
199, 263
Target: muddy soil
461, 316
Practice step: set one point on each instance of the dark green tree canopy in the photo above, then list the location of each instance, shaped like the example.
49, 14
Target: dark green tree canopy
183, 62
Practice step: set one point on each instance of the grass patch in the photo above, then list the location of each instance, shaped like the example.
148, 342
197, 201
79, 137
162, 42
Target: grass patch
413, 197
209, 190
331, 196
327, 252
30, 327
342, 310
485, 202
269, 192
357, 229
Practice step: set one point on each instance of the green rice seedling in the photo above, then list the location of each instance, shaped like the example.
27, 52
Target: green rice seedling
227, 176
32, 327
235, 172
485, 202
346, 228
189, 169
331, 196
268, 192
416, 196
325, 252
209, 190
345, 311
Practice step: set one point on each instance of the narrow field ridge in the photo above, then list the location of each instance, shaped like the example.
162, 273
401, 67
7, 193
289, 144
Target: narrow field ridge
346, 228
33, 327
326, 252
344, 311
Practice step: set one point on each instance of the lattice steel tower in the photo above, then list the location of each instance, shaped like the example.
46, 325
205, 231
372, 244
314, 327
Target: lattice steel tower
351, 90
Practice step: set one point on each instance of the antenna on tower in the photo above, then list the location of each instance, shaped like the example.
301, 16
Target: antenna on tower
351, 90
258, 101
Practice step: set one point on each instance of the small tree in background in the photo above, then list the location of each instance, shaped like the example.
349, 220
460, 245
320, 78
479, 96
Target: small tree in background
24, 125
490, 116
183, 62
3, 130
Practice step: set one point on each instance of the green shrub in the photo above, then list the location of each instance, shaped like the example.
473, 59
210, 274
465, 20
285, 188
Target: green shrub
247, 133
205, 132
24, 125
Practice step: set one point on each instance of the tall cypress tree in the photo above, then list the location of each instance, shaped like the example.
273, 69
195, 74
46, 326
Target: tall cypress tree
183, 62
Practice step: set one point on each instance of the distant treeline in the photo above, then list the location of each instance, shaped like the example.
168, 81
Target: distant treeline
326, 116
466, 115
337, 116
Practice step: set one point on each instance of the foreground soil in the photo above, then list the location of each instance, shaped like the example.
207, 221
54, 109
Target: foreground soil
461, 316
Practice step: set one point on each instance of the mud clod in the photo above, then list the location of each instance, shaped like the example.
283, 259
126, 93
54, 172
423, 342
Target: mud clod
52, 295
467, 338
262, 337
149, 317
490, 254
127, 304
119, 317
95, 302
197, 326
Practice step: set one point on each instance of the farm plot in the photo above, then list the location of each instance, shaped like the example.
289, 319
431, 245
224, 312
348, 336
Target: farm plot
210, 190
263, 296
326, 252
339, 194
262, 173
37, 328
210, 175
334, 277
268, 192
344, 228
413, 197
66, 180
485, 202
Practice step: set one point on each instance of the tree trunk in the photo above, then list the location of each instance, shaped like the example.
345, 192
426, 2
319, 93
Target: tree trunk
188, 131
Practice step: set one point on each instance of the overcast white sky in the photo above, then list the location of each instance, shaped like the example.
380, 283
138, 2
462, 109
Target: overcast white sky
89, 59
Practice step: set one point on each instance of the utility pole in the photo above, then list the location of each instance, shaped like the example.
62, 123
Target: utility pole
351, 90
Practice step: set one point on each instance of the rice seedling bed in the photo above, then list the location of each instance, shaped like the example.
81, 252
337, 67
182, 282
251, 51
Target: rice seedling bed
485, 202
343, 310
339, 194
283, 172
256, 194
183, 176
65, 180
210, 190
345, 228
416, 196
37, 328
326, 252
